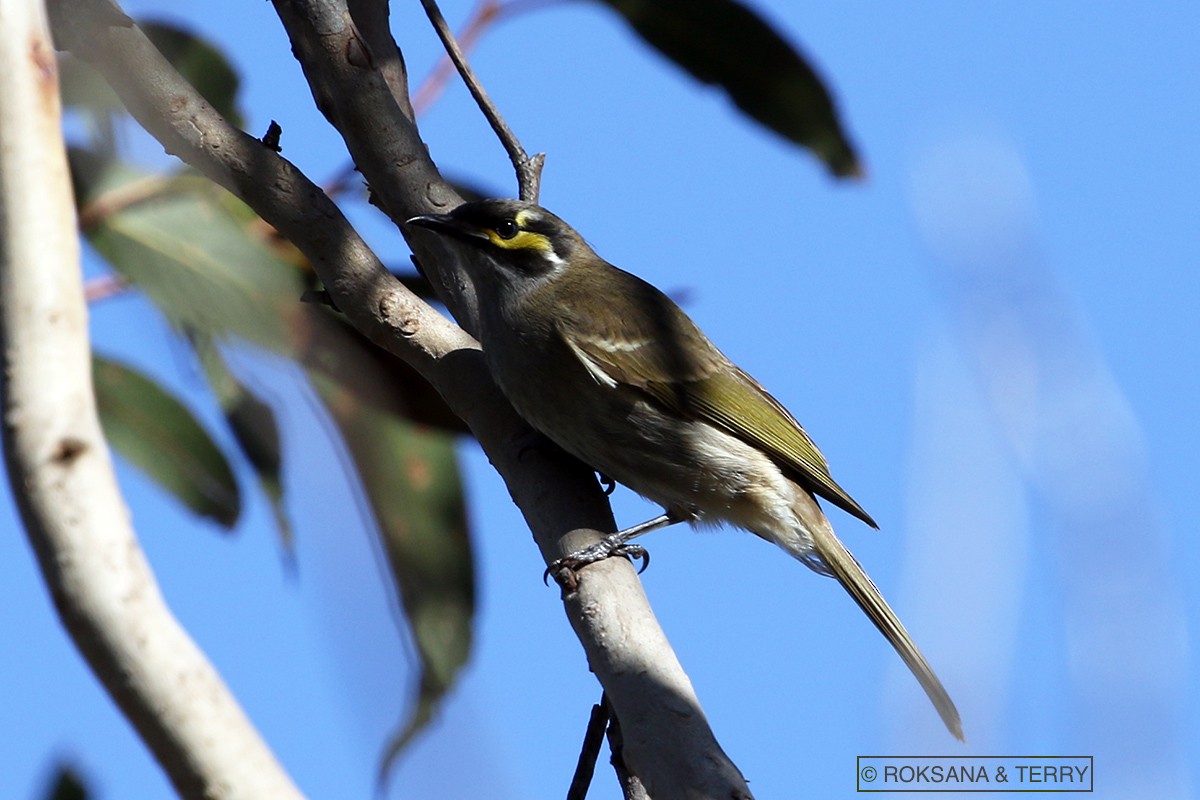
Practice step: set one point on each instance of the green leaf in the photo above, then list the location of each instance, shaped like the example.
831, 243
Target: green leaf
178, 240
726, 43
198, 60
85, 90
83, 86
375, 377
201, 63
411, 480
216, 270
254, 428
156, 433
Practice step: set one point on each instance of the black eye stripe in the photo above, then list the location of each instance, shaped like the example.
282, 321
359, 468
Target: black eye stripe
507, 229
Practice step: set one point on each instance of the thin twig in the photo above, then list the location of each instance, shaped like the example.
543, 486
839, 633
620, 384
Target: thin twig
593, 740
529, 169
100, 208
102, 287
631, 785
485, 16
343, 180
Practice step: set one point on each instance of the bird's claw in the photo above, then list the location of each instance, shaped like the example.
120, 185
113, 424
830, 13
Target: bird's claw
605, 548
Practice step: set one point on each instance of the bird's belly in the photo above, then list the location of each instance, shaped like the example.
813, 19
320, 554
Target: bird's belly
690, 468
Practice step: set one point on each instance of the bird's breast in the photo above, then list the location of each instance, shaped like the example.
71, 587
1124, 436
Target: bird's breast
686, 466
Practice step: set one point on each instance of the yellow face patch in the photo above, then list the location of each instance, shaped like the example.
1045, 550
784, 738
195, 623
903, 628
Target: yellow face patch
524, 239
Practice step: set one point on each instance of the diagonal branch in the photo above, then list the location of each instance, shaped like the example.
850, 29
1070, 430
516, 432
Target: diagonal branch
529, 169
486, 13
668, 742
59, 466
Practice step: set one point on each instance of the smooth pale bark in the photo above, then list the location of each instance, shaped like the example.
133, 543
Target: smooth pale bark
59, 466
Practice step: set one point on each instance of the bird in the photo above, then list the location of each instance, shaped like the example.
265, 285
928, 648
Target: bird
611, 370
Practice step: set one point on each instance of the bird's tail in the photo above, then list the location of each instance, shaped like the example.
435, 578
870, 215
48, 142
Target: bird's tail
842, 565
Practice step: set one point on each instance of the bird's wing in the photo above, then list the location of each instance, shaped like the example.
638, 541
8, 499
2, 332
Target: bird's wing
670, 359
739, 404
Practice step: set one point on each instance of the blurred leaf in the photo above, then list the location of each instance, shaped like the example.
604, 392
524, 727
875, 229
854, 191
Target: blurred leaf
175, 238
411, 480
198, 60
217, 270
726, 43
377, 378
83, 86
84, 90
67, 785
201, 63
161, 437
254, 428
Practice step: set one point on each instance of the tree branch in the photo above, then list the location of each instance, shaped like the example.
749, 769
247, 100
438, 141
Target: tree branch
631, 785
668, 742
485, 14
59, 466
529, 170
371, 19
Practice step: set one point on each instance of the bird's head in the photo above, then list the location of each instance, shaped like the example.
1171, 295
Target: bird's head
522, 239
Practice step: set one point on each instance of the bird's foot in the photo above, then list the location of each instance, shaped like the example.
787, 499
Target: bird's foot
615, 544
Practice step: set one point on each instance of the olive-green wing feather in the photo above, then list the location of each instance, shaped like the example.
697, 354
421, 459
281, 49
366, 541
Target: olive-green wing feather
669, 357
761, 420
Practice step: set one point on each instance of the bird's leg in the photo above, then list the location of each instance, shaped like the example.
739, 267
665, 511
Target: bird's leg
615, 544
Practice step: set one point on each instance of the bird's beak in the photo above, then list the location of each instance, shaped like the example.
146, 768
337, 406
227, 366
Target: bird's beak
446, 224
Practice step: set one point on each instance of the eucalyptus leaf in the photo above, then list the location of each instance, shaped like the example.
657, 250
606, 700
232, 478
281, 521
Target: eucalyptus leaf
160, 436
177, 240
254, 428
726, 43
411, 480
83, 90
201, 63
375, 377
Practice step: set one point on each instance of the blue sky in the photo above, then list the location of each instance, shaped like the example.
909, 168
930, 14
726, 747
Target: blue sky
994, 340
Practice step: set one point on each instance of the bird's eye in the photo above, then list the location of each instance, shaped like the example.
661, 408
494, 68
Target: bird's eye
507, 229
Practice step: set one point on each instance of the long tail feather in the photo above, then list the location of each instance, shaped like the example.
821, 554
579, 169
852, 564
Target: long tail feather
838, 562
